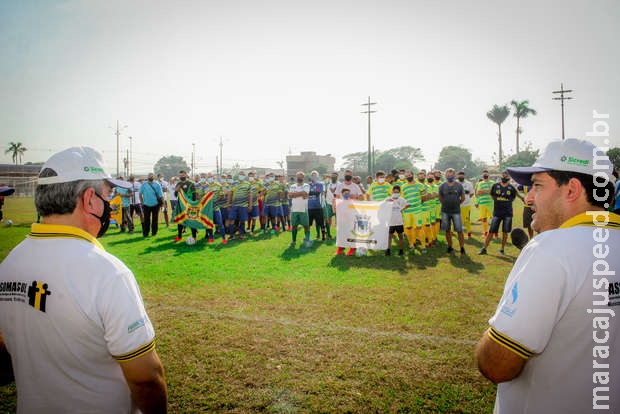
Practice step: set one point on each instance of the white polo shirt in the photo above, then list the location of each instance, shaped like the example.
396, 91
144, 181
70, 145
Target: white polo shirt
543, 316
353, 188
136, 193
68, 312
299, 204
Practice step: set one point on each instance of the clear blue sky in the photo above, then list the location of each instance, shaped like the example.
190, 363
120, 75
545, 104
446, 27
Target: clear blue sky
270, 76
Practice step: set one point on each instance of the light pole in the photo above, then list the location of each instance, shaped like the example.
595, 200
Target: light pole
562, 98
118, 154
368, 111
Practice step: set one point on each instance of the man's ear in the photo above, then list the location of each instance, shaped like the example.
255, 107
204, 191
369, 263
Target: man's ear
88, 200
574, 190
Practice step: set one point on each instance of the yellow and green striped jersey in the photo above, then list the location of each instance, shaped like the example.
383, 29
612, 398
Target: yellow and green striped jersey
412, 193
255, 188
379, 192
435, 187
400, 183
241, 194
272, 194
429, 204
485, 186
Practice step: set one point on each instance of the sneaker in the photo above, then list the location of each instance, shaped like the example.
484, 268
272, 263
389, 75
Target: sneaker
307, 243
450, 249
224, 241
351, 252
486, 233
289, 228
501, 251
323, 238
462, 250
177, 239
482, 251
339, 251
273, 231
388, 253
401, 253
210, 241
240, 237
469, 235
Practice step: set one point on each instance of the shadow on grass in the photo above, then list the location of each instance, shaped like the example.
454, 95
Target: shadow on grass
464, 261
376, 260
292, 253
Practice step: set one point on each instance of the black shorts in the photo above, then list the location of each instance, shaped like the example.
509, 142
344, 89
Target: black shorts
316, 214
506, 224
396, 229
527, 217
135, 208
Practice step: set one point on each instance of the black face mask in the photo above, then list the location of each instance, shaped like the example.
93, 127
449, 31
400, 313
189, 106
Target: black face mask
334, 180
300, 180
104, 218
430, 180
150, 179
410, 179
183, 178
348, 177
505, 180
485, 176
461, 179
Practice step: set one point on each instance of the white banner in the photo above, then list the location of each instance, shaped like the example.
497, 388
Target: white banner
362, 224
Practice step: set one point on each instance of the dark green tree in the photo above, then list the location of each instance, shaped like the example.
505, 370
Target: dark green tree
521, 110
614, 156
170, 166
525, 158
498, 115
458, 158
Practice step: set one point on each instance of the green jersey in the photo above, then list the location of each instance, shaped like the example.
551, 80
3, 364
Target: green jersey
272, 194
412, 192
255, 188
219, 200
435, 189
484, 186
427, 205
400, 183
379, 192
241, 194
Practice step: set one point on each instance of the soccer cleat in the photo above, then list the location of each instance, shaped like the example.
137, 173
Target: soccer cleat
292, 244
482, 251
289, 228
450, 249
423, 250
339, 251
277, 228
462, 250
496, 235
485, 234
501, 251
176, 239
224, 241
210, 241
388, 253
469, 235
240, 237
401, 253
351, 252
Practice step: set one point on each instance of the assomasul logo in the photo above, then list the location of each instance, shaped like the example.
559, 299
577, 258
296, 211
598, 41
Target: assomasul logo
574, 161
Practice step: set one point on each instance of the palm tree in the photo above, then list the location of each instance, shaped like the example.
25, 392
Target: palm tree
498, 115
17, 150
521, 111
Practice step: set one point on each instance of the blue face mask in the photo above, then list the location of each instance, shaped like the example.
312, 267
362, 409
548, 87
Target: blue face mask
346, 196
314, 178
202, 180
230, 181
269, 179
242, 178
451, 179
210, 180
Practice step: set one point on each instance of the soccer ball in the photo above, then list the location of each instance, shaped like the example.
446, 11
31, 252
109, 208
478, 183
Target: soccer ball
9, 223
190, 241
361, 251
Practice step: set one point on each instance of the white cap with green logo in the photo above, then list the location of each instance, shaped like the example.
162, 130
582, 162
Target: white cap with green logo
77, 163
573, 155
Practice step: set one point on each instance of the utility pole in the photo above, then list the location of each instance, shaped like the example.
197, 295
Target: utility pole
221, 145
217, 165
118, 153
368, 111
130, 169
193, 158
562, 98
127, 165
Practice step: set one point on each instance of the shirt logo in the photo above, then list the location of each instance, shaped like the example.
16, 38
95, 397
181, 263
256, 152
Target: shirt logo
507, 310
37, 295
574, 161
135, 325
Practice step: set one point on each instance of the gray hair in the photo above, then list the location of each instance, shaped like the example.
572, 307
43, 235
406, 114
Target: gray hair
62, 198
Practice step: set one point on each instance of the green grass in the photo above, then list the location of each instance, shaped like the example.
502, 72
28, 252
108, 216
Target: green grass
258, 326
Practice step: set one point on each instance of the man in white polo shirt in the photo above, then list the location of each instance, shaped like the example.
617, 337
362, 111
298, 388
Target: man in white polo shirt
71, 314
554, 341
298, 193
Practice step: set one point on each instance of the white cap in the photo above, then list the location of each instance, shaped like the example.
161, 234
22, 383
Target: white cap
573, 155
77, 163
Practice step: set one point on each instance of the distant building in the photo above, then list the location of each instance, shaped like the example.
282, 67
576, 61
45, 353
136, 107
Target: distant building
307, 161
21, 177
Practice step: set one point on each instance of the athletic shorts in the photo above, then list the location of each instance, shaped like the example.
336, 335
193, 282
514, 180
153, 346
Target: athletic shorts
426, 218
316, 214
438, 211
272, 211
506, 224
486, 211
255, 212
224, 213
286, 209
217, 218
299, 219
455, 219
527, 217
465, 213
412, 219
396, 229
330, 211
238, 213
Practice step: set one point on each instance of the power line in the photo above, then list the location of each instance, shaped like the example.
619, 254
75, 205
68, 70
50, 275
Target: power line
368, 111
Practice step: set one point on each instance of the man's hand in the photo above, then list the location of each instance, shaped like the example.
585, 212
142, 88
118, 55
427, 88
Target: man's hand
145, 377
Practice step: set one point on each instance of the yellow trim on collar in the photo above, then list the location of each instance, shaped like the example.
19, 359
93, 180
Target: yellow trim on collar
584, 219
58, 231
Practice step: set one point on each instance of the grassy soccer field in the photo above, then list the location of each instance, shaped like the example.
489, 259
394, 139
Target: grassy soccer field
257, 326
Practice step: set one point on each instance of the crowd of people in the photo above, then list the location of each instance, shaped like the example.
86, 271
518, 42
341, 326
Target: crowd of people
424, 203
